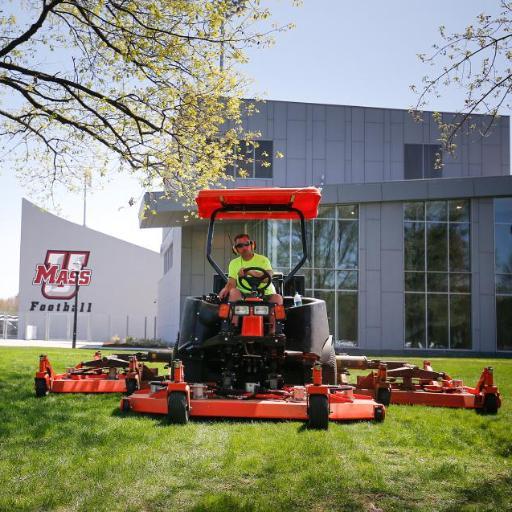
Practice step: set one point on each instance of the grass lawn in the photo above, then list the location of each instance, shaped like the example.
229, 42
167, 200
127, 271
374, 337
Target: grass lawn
77, 452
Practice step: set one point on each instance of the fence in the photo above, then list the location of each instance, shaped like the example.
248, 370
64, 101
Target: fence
90, 326
8, 326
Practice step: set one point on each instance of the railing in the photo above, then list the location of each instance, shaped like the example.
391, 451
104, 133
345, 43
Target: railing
52, 326
8, 326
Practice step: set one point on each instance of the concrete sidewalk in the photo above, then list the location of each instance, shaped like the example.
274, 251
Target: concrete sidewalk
50, 344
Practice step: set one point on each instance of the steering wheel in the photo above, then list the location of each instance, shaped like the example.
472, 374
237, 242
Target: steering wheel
255, 282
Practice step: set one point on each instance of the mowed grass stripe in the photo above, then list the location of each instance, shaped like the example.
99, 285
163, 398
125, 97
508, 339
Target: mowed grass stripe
78, 452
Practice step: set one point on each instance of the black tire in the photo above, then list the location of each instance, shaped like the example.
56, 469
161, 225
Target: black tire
318, 412
491, 404
378, 414
383, 396
328, 360
41, 387
177, 408
131, 386
125, 405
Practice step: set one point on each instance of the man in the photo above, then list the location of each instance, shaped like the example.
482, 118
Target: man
244, 246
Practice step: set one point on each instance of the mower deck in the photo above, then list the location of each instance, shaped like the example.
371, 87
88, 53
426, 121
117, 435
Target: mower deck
289, 403
110, 374
411, 385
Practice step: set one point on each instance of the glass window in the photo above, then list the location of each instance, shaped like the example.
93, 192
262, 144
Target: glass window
504, 322
503, 241
414, 245
503, 271
460, 321
437, 211
346, 280
437, 321
327, 212
460, 283
324, 279
437, 282
297, 243
347, 316
422, 161
459, 248
504, 283
437, 246
413, 161
308, 277
414, 211
279, 243
503, 209
459, 211
254, 159
347, 244
348, 211
330, 271
432, 161
445, 246
263, 159
323, 247
415, 281
415, 320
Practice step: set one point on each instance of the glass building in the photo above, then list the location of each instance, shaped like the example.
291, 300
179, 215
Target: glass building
412, 248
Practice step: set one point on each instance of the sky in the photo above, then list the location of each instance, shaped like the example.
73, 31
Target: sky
341, 52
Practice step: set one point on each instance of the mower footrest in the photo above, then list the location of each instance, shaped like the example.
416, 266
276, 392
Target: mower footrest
87, 385
460, 400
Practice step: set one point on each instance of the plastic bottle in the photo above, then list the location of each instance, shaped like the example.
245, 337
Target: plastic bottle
297, 299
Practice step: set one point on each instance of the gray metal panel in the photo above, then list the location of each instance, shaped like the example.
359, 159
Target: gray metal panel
392, 227
396, 191
450, 188
484, 265
392, 271
392, 323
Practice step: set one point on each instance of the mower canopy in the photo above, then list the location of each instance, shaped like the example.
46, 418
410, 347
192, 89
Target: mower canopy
259, 203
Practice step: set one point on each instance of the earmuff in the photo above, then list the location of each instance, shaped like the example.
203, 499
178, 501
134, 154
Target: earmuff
235, 251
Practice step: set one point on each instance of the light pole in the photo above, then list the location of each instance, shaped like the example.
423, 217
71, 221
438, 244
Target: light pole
75, 312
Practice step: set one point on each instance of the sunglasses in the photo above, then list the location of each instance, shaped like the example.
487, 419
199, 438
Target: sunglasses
243, 244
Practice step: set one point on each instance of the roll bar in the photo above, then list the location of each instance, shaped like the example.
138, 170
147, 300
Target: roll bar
259, 208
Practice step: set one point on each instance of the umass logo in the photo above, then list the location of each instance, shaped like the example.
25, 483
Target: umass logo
60, 271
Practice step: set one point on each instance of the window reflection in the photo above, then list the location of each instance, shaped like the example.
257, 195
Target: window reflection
438, 301
331, 268
415, 320
503, 271
414, 234
347, 244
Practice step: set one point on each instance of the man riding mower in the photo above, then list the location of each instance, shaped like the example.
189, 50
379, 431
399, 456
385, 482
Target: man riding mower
248, 352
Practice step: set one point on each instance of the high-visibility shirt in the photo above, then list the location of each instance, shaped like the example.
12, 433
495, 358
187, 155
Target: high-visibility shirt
258, 260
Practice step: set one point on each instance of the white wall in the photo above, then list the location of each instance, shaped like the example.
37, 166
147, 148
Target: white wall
123, 289
169, 286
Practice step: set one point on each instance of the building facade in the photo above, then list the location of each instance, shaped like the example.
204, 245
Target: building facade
117, 282
409, 255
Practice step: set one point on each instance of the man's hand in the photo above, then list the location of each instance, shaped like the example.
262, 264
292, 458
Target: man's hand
241, 272
223, 293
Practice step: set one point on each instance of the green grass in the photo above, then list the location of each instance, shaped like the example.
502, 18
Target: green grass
77, 452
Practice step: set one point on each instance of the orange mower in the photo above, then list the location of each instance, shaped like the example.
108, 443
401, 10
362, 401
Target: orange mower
119, 373
398, 382
250, 370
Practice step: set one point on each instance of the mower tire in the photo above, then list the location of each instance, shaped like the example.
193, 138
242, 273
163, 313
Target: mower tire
328, 360
378, 414
177, 408
491, 404
41, 387
131, 386
125, 405
318, 412
383, 396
